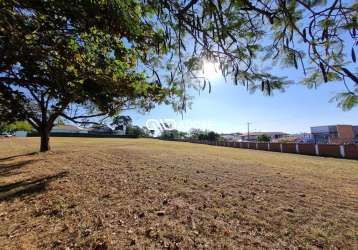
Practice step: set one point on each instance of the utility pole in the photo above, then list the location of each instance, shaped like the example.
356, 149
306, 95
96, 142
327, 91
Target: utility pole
248, 131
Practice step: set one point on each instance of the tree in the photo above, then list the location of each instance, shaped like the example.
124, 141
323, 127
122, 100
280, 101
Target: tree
263, 138
196, 134
172, 134
146, 132
135, 131
212, 136
76, 60
121, 121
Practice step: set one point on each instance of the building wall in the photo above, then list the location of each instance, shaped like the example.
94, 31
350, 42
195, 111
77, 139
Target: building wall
345, 134
339, 134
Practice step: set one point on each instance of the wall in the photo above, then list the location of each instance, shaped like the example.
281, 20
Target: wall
329, 150
351, 151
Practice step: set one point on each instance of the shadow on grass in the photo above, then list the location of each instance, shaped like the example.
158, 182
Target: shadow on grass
16, 156
7, 169
30, 186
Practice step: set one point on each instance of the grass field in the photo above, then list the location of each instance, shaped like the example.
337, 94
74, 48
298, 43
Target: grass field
150, 194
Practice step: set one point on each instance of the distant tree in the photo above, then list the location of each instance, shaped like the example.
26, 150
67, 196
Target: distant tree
212, 136
203, 136
134, 131
121, 121
146, 132
173, 134
195, 133
16, 126
152, 132
263, 138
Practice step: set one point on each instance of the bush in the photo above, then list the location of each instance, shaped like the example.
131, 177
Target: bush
263, 138
172, 134
134, 131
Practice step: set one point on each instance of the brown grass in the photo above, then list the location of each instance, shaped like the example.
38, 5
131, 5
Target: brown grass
150, 194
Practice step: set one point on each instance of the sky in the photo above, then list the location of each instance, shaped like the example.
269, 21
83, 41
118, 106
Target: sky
228, 108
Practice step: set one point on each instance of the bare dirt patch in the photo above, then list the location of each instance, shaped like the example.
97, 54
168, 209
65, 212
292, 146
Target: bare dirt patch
150, 194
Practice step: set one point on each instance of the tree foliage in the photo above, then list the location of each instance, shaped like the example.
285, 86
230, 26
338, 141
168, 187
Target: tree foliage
204, 135
120, 121
263, 138
16, 126
172, 134
318, 37
76, 60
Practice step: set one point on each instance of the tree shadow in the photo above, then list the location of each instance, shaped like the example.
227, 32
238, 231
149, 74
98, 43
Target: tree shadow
7, 169
16, 156
29, 186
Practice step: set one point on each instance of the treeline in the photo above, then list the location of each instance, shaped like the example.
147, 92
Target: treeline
197, 134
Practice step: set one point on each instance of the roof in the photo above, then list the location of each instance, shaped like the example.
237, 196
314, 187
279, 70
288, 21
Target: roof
231, 134
67, 127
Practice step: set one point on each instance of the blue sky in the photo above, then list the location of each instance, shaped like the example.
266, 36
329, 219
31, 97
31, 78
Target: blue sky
228, 108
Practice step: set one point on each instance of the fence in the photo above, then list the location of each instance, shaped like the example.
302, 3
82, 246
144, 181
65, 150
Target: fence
349, 151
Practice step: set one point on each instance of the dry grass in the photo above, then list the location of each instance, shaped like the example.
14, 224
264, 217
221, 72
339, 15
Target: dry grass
150, 194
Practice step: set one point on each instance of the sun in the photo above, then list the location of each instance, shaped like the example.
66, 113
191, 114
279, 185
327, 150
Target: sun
211, 70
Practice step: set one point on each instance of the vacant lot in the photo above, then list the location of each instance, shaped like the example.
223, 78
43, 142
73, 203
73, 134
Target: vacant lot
150, 194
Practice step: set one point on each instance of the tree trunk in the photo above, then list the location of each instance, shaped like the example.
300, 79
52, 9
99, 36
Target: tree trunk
45, 139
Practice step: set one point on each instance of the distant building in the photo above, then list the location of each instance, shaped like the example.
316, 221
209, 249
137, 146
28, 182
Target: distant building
100, 129
297, 138
68, 129
335, 134
274, 136
231, 137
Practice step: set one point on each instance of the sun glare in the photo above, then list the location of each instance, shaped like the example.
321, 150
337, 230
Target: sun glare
211, 70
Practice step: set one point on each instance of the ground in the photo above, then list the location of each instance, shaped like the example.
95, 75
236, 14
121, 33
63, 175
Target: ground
150, 194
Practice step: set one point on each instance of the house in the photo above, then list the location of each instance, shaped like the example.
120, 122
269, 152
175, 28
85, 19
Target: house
68, 129
231, 137
335, 134
274, 136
